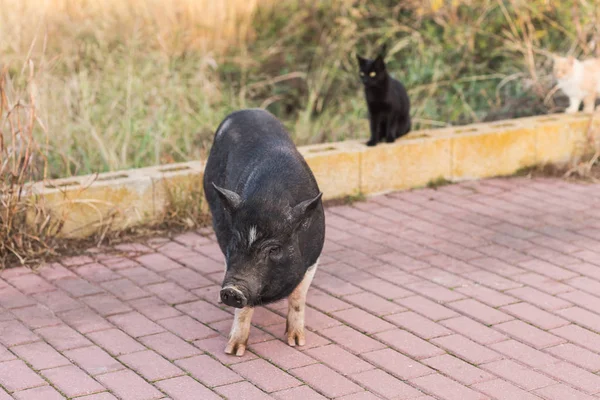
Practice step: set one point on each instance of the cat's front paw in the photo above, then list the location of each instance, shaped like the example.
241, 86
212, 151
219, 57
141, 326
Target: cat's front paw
371, 143
571, 110
390, 139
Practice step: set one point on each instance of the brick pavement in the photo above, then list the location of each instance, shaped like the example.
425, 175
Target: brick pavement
480, 290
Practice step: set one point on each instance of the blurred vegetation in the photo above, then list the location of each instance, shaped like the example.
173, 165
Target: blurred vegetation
141, 82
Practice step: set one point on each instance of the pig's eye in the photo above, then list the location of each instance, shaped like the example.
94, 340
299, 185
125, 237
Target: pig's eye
275, 252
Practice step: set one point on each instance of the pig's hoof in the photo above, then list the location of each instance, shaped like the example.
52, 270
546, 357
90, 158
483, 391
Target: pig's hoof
235, 348
296, 338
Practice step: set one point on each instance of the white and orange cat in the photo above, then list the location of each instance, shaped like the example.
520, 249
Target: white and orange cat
579, 80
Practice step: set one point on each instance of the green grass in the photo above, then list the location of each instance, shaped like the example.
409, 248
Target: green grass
113, 100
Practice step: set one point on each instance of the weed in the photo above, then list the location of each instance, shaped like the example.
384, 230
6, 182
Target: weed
439, 181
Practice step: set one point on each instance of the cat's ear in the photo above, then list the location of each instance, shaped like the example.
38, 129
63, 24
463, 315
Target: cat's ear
379, 64
361, 61
383, 50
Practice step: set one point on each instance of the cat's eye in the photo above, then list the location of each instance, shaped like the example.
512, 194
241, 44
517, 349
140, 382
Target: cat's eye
372, 74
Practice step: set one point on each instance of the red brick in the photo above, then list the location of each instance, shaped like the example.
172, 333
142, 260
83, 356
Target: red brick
204, 312
524, 377
57, 301
157, 262
339, 359
15, 375
474, 330
187, 328
367, 396
72, 381
480, 311
351, 339
334, 285
523, 353
497, 266
543, 283
386, 385
503, 390
550, 270
535, 316
562, 392
63, 338
582, 317
77, 287
434, 291
84, 320
203, 265
142, 276
135, 324
106, 304
440, 277
216, 348
154, 308
540, 299
491, 297
457, 369
116, 342
326, 380
325, 302
427, 308
467, 349
317, 320
42, 392
55, 271
76, 260
418, 325
208, 371
31, 284
409, 344
150, 365
263, 317
373, 303
265, 376
383, 288
185, 388
39, 355
94, 360
446, 389
576, 355
124, 289
397, 364
12, 298
169, 345
298, 393
5, 355
187, 278
127, 385
103, 396
119, 263
575, 376
282, 354
96, 273
36, 316
491, 280
363, 321
175, 250
529, 334
242, 391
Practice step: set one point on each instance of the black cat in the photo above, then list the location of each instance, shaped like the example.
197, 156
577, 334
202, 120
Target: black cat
387, 100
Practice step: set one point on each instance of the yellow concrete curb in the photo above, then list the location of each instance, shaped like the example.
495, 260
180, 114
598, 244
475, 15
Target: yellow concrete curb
123, 199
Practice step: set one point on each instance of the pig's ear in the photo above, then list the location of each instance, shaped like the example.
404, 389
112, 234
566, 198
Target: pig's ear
231, 200
303, 210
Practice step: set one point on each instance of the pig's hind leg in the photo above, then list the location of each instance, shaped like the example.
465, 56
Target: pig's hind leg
294, 327
238, 337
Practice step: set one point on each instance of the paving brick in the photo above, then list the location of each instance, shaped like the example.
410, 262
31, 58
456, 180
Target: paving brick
397, 364
185, 388
318, 321
562, 392
187, 328
157, 262
480, 311
116, 342
5, 355
84, 320
409, 344
142, 276
37, 316
543, 283
15, 375
298, 393
550, 270
282, 355
127, 385
518, 374
204, 312
385, 385
383, 288
78, 287
242, 391
106, 304
535, 316
57, 301
72, 381
154, 308
266, 376
135, 324
40, 355
13, 333
418, 325
427, 308
474, 330
94, 360
492, 280
124, 289
30, 284
373, 303
208, 371
325, 302
434, 291
363, 321
326, 380
96, 273
523, 353
575, 376
63, 338
366, 396
55, 271
466, 349
101, 396
339, 359
576, 355
538, 298
502, 390
491, 297
169, 345
216, 348
150, 365
529, 334
457, 369
42, 392
446, 389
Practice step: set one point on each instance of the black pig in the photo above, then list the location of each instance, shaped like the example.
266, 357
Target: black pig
268, 218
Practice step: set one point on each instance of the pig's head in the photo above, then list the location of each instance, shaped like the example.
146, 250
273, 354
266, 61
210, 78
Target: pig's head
263, 256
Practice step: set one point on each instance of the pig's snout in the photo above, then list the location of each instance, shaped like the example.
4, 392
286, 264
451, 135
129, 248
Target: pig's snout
233, 297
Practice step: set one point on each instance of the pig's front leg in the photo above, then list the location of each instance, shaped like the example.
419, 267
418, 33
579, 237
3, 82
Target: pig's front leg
238, 337
294, 327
